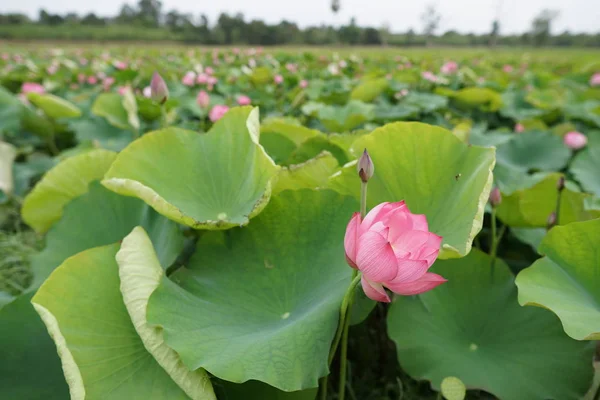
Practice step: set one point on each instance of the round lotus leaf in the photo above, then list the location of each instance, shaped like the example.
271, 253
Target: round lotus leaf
44, 205
29, 366
262, 302
433, 171
473, 328
215, 180
54, 106
101, 353
98, 218
140, 273
567, 280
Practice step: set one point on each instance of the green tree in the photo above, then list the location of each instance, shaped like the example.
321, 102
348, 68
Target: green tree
541, 27
431, 21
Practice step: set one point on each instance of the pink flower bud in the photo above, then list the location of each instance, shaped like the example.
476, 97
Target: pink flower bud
575, 140
32, 87
189, 78
217, 112
394, 249
244, 100
519, 128
303, 84
595, 79
158, 89
495, 197
449, 68
508, 68
278, 79
365, 167
203, 99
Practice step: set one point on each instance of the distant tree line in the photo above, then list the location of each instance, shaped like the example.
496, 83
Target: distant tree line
136, 21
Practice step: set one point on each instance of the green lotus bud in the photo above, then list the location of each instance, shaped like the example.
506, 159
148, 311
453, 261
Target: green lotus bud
365, 167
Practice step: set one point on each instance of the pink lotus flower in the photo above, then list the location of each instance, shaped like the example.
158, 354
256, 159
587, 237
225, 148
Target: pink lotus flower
147, 92
121, 65
217, 112
393, 249
203, 99
575, 140
81, 78
303, 84
209, 70
278, 79
519, 128
508, 68
52, 69
429, 76
293, 68
189, 78
122, 89
244, 100
32, 87
449, 68
595, 79
202, 79
92, 80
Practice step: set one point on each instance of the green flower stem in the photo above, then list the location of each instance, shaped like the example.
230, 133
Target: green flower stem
558, 201
163, 116
344, 349
363, 200
493, 243
342, 326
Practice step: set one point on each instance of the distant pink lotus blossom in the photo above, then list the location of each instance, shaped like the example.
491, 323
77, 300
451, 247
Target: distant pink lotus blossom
74, 86
122, 89
293, 68
244, 100
209, 70
107, 82
202, 79
32, 87
575, 140
217, 112
236, 50
189, 78
83, 61
595, 79
508, 68
52, 69
147, 92
121, 65
101, 75
212, 80
81, 78
203, 99
343, 64
400, 94
449, 68
429, 76
394, 249
278, 79
5, 56
519, 128
408, 65
303, 84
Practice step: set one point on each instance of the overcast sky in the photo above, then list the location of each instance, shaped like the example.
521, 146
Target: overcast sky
461, 15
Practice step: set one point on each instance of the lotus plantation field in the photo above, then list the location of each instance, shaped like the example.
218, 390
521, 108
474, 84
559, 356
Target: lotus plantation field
298, 223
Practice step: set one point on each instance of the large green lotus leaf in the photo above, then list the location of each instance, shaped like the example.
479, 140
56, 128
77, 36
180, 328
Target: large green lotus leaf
531, 236
296, 133
433, 171
313, 174
29, 367
54, 106
98, 218
344, 118
101, 353
110, 106
8, 153
535, 150
368, 90
130, 105
254, 390
11, 110
44, 205
546, 99
476, 97
100, 132
395, 112
140, 273
567, 280
530, 207
586, 167
262, 302
426, 102
474, 329
315, 146
515, 107
277, 146
36, 124
215, 180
